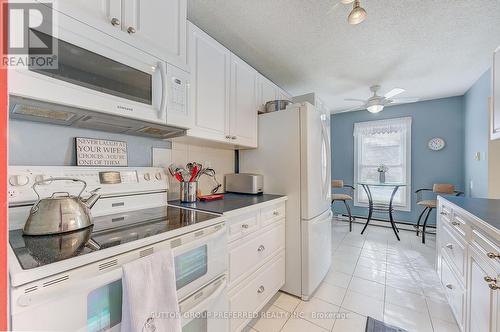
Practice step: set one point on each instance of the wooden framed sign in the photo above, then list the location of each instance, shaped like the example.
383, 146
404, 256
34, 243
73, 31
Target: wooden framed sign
100, 152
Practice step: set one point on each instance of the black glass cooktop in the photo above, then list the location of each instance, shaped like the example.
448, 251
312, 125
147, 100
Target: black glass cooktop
107, 232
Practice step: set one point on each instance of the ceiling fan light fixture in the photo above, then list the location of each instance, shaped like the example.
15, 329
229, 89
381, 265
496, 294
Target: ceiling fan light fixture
375, 108
357, 15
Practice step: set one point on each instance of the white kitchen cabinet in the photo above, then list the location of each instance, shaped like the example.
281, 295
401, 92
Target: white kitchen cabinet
155, 27
268, 91
484, 306
210, 85
468, 264
256, 258
495, 116
243, 103
223, 94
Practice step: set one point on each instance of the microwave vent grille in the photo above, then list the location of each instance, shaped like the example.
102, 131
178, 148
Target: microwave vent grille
146, 252
56, 281
108, 264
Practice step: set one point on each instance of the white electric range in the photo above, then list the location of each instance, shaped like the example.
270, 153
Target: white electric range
72, 281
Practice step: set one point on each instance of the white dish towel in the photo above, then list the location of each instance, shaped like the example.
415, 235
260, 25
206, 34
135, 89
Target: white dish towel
149, 295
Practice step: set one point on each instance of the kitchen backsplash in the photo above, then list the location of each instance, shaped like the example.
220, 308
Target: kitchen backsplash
38, 144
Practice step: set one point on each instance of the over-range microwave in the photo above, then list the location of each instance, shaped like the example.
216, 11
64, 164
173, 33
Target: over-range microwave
101, 83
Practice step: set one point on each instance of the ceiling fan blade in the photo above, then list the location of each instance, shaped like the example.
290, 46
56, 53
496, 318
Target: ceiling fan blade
404, 100
352, 99
359, 108
394, 92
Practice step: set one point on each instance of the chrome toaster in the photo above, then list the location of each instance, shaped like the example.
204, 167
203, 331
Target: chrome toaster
244, 183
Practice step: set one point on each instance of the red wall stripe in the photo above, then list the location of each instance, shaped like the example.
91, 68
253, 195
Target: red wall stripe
3, 177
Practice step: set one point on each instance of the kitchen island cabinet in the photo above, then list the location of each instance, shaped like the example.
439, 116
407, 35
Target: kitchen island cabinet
468, 260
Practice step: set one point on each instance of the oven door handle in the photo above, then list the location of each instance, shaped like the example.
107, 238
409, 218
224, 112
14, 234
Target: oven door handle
163, 73
200, 306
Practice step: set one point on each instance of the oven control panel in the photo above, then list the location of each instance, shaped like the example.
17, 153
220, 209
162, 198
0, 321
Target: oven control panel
111, 181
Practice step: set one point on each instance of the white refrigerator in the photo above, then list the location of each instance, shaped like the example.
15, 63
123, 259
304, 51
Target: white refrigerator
294, 157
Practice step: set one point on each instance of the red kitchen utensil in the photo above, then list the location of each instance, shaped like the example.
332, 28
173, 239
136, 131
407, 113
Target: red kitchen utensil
211, 197
178, 176
194, 173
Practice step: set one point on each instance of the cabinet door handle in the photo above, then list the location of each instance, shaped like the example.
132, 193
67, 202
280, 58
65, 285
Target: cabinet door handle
261, 248
131, 30
489, 279
261, 290
115, 22
234, 137
443, 213
449, 246
449, 286
494, 286
245, 226
276, 213
493, 255
228, 137
455, 223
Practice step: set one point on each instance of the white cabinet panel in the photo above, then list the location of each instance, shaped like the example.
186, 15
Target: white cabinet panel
268, 91
495, 121
155, 27
483, 301
158, 27
243, 114
210, 77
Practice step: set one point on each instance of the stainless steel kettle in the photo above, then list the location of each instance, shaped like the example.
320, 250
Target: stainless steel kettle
61, 212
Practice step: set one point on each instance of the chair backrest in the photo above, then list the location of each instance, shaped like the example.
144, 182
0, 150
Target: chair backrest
443, 188
337, 183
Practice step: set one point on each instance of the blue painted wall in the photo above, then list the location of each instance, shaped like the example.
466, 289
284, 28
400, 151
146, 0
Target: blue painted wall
436, 118
476, 136
32, 143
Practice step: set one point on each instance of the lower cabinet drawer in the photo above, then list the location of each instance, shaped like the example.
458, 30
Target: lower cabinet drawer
455, 250
243, 225
454, 292
248, 256
252, 296
272, 214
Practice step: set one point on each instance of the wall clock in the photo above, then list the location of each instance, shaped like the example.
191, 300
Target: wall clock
436, 144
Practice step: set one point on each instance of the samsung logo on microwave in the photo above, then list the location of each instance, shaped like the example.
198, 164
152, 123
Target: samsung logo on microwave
124, 108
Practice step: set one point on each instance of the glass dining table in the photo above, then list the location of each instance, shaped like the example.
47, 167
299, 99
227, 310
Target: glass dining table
381, 207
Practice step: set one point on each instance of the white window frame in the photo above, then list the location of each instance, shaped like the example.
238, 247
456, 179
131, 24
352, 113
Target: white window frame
387, 123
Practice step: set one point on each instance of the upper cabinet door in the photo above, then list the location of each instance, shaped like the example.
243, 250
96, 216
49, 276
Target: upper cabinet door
495, 118
158, 27
105, 15
243, 105
269, 91
210, 76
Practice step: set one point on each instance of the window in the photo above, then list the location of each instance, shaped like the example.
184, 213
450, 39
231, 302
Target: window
387, 143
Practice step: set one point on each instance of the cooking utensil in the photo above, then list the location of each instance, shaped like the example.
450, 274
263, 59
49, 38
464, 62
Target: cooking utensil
61, 212
194, 173
276, 105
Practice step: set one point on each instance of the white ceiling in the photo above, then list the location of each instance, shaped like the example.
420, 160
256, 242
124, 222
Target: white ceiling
431, 48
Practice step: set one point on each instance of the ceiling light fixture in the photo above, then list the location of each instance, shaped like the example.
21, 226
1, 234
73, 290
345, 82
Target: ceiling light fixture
375, 108
358, 14
346, 2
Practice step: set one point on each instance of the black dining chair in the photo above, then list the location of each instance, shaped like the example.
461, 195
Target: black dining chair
336, 184
431, 204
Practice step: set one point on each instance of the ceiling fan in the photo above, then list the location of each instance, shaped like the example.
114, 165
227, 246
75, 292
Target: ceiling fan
376, 103
357, 15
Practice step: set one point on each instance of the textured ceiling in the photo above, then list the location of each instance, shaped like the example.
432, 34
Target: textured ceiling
431, 48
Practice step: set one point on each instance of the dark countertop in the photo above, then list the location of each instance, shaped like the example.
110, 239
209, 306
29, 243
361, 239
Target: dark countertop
230, 202
487, 210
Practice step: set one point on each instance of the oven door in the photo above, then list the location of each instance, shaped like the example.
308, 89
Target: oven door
99, 73
205, 310
200, 261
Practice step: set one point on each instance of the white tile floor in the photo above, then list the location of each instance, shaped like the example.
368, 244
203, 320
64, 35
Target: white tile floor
371, 275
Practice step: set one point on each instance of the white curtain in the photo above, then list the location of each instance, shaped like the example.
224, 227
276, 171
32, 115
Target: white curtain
387, 143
